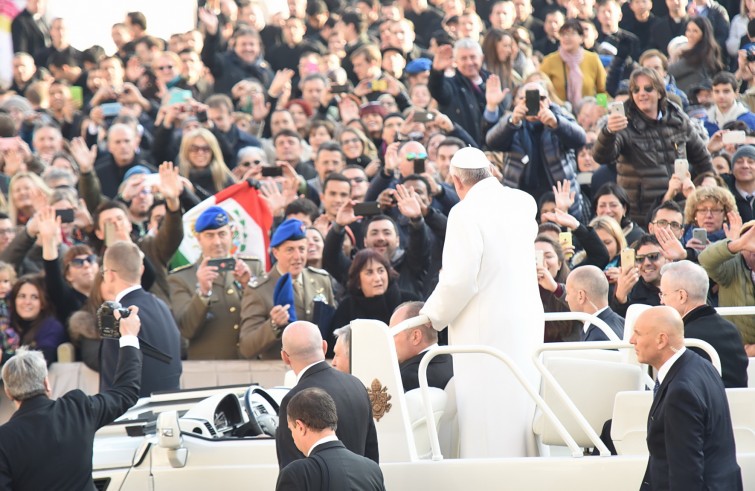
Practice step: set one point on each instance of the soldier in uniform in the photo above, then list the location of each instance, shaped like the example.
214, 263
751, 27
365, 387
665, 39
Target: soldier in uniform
262, 321
206, 302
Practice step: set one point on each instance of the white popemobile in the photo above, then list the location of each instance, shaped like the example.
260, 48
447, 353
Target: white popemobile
221, 437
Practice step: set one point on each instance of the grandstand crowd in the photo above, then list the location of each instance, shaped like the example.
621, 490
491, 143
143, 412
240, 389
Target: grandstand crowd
629, 123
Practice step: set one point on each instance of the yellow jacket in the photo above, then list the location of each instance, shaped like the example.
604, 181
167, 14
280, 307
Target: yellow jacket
593, 73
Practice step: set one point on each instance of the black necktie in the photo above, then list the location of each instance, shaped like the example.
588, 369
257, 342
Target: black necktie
655, 387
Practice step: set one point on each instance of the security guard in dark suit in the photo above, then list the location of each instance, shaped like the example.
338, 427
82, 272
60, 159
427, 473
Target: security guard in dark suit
262, 321
205, 299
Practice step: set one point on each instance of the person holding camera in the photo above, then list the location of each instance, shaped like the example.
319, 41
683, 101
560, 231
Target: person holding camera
206, 296
122, 269
47, 444
542, 141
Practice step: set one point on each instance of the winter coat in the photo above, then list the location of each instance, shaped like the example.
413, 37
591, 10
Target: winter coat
644, 154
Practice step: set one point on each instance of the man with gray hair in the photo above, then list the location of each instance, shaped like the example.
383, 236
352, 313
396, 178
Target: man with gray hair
684, 287
461, 94
342, 349
411, 346
487, 294
303, 349
47, 444
587, 291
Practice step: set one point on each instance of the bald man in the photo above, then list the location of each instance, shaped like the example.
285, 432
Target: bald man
587, 291
303, 349
690, 435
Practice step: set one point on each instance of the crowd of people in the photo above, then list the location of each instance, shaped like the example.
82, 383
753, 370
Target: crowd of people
628, 123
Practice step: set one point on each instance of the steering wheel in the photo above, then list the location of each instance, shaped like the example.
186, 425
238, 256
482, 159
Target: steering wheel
257, 401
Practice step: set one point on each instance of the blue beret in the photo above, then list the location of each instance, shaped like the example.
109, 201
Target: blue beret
418, 66
291, 229
212, 218
137, 169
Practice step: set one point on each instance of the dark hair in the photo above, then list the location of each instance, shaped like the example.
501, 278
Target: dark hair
138, 19
72, 252
667, 205
572, 25
60, 58
655, 80
329, 146
93, 55
451, 141
322, 123
4, 216
556, 330
546, 227
615, 190
419, 177
360, 261
646, 239
703, 175
727, 78
706, 54
304, 206
353, 17
286, 132
108, 205
314, 408
335, 176
46, 309
378, 218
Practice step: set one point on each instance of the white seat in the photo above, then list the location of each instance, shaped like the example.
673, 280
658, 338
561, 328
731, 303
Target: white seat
751, 373
592, 385
417, 419
741, 404
448, 427
630, 422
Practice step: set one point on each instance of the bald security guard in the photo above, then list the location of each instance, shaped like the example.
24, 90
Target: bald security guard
262, 321
206, 301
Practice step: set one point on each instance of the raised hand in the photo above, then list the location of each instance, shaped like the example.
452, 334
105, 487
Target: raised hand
84, 156
564, 195
444, 58
733, 228
562, 218
345, 215
408, 204
671, 247
210, 21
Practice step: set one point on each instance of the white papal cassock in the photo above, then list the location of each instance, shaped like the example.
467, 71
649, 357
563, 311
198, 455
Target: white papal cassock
487, 294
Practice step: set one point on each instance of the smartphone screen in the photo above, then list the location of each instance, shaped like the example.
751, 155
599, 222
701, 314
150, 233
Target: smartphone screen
419, 166
109, 233
66, 216
223, 264
367, 208
532, 99
272, 171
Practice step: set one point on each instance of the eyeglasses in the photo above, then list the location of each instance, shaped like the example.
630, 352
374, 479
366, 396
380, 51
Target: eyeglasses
709, 211
197, 148
666, 223
165, 67
250, 163
652, 257
661, 294
358, 180
7, 231
79, 262
648, 89
415, 156
349, 141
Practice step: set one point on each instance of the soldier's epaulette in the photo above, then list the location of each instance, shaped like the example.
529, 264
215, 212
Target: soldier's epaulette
318, 270
258, 281
180, 268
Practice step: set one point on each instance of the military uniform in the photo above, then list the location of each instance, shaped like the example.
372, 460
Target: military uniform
211, 325
258, 337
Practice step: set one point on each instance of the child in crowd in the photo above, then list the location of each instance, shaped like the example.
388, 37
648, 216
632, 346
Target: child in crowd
9, 340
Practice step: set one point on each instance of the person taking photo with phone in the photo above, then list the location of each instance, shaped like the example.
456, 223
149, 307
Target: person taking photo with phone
542, 141
206, 295
645, 139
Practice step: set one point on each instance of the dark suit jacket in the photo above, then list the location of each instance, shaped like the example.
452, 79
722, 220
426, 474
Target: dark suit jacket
159, 330
615, 322
690, 436
111, 175
704, 323
356, 428
27, 35
439, 372
48, 444
331, 467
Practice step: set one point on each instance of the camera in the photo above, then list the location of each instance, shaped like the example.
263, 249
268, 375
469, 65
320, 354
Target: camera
108, 325
751, 54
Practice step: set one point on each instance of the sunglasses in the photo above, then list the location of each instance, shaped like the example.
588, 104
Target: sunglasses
251, 163
652, 257
648, 89
197, 148
415, 156
79, 262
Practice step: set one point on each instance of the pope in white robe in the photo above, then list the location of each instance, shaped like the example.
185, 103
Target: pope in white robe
487, 294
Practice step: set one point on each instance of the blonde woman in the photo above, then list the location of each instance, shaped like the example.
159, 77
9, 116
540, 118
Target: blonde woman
201, 162
359, 150
612, 236
710, 208
27, 193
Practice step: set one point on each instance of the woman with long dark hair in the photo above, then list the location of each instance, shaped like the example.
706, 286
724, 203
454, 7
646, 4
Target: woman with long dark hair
498, 53
32, 317
701, 59
551, 278
611, 200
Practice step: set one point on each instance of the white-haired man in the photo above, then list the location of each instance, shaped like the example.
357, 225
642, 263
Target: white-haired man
488, 294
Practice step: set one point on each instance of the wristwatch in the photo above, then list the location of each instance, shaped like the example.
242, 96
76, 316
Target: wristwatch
205, 296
